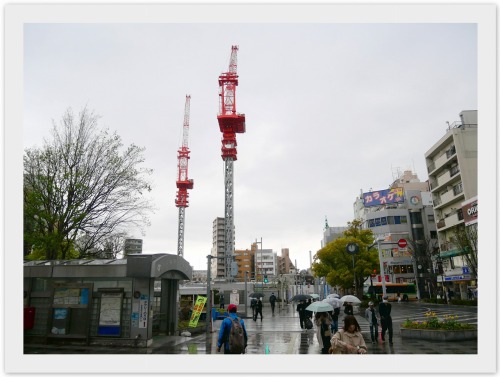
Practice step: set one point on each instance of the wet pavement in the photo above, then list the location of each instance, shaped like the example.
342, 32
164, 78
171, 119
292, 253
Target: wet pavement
281, 334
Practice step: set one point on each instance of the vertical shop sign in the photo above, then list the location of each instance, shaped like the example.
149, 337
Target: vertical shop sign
143, 314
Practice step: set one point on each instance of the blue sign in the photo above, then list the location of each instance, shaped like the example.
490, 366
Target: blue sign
376, 198
465, 270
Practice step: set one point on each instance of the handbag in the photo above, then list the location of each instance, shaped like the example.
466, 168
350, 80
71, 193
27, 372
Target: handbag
308, 323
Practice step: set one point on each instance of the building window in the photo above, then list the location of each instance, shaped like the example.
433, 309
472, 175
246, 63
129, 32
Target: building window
383, 221
377, 221
390, 219
416, 217
430, 218
371, 223
397, 219
403, 220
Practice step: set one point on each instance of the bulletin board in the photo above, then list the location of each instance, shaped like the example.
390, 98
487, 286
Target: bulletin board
110, 312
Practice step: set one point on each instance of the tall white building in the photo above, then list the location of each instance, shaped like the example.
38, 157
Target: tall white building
265, 262
218, 267
452, 166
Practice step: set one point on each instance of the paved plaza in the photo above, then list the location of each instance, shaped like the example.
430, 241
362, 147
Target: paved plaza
281, 334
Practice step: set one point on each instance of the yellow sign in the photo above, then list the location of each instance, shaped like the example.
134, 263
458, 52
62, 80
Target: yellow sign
198, 307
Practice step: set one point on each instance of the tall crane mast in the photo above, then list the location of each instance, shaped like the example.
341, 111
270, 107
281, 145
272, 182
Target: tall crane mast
183, 182
230, 123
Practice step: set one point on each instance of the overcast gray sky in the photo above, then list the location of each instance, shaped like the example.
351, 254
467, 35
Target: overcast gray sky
331, 109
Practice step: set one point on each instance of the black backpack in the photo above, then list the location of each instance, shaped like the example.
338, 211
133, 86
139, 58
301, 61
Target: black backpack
236, 337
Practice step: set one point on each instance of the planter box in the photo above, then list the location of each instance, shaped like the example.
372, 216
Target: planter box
440, 335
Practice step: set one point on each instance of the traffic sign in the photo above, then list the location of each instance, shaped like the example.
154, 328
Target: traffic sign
402, 243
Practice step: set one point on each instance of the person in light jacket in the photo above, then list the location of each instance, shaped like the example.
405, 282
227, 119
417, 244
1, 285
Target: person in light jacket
371, 317
348, 340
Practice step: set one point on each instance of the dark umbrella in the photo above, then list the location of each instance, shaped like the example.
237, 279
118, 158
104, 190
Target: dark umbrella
256, 295
301, 297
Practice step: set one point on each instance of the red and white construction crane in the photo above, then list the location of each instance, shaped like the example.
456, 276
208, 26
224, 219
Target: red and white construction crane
183, 182
230, 123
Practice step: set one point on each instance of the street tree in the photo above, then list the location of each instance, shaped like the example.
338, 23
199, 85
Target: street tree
82, 182
336, 265
465, 239
424, 253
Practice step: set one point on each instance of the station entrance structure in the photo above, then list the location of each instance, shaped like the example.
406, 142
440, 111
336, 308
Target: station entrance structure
103, 301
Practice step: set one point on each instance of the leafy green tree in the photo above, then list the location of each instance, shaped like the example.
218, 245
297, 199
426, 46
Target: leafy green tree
82, 182
336, 265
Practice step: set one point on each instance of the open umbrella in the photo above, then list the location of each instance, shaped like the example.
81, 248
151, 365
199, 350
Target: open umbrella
314, 295
335, 302
320, 306
350, 298
333, 295
301, 297
256, 294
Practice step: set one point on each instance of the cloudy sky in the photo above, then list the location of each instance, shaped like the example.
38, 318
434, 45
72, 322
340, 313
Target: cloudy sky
331, 109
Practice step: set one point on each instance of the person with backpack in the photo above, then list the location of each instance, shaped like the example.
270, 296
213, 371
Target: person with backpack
232, 333
272, 300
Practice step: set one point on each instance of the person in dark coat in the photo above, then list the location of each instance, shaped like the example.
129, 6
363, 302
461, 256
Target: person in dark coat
335, 319
348, 309
301, 308
384, 310
258, 310
308, 312
221, 300
272, 301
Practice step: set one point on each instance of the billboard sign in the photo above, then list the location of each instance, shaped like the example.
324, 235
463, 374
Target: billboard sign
469, 210
376, 198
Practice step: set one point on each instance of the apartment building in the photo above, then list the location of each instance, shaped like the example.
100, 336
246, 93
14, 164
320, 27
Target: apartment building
245, 259
284, 264
218, 266
265, 263
452, 167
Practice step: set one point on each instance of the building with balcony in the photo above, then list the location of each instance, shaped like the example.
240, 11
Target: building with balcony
285, 265
245, 259
265, 263
452, 167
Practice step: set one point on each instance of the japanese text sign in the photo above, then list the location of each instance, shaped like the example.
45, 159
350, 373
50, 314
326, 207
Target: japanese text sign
376, 198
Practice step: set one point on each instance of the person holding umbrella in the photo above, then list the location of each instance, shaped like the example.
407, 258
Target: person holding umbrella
301, 308
348, 309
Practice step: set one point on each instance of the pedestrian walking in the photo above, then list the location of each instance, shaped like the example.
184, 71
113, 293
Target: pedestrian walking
253, 305
348, 310
384, 310
258, 309
323, 324
469, 294
232, 333
371, 316
308, 312
348, 340
272, 301
335, 319
221, 300
301, 308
